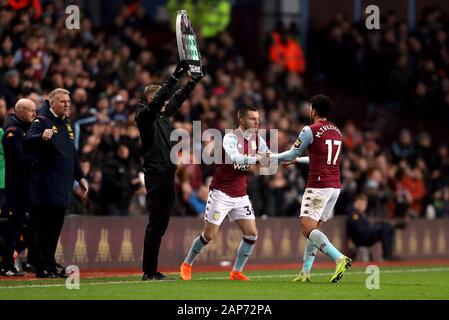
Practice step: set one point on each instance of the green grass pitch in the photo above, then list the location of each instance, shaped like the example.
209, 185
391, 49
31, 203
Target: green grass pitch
414, 282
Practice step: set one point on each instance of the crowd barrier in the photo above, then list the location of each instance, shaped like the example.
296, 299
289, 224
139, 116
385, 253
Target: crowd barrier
117, 242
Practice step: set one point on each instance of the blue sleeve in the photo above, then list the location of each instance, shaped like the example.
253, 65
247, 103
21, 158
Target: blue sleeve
230, 147
263, 146
299, 148
77, 126
197, 204
303, 141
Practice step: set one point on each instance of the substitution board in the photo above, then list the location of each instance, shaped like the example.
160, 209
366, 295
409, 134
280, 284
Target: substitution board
187, 45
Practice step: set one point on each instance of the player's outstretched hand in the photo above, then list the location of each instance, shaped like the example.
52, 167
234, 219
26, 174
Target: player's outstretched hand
288, 163
181, 68
263, 159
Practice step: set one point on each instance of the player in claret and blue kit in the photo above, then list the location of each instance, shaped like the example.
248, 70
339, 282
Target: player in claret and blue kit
228, 196
323, 140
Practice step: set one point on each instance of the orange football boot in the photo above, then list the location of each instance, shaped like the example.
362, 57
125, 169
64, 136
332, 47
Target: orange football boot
237, 275
186, 271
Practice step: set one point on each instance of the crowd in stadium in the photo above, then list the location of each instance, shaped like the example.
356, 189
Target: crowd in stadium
106, 70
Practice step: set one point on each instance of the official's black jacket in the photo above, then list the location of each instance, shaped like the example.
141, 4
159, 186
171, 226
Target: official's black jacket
16, 162
55, 163
155, 126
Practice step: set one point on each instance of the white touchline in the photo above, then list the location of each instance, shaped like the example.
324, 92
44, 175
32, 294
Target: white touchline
320, 274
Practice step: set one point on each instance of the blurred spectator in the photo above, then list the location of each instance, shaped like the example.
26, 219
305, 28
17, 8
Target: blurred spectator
439, 207
403, 149
286, 52
413, 183
352, 137
364, 233
383, 81
118, 183
11, 88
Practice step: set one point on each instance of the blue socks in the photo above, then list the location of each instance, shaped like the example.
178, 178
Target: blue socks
197, 246
309, 256
244, 251
320, 241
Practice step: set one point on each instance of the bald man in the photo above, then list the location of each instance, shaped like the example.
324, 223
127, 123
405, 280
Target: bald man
16, 170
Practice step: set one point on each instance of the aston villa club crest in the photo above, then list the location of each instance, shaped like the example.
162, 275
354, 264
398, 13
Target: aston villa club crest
253, 145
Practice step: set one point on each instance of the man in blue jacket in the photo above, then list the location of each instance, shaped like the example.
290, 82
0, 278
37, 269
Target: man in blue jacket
55, 166
16, 169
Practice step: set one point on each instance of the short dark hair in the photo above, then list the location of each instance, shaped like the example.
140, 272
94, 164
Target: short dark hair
244, 111
322, 104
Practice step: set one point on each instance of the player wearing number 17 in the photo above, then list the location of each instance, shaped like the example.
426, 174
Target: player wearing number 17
323, 140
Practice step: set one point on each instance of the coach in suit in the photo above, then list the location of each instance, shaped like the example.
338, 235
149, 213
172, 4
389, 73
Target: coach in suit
55, 166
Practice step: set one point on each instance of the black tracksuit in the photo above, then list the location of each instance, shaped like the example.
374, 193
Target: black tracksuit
155, 129
16, 176
55, 166
364, 233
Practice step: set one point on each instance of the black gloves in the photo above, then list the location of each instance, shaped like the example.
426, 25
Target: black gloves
198, 78
181, 68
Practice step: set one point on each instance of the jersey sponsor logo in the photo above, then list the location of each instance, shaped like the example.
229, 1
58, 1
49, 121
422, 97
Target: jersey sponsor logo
241, 167
297, 143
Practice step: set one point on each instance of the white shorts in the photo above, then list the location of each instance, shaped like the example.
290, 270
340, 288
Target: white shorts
219, 205
318, 204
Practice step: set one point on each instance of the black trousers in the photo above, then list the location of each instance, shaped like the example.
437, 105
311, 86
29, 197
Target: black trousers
160, 200
16, 219
48, 225
384, 232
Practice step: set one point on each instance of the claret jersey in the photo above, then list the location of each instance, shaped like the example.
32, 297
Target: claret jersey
239, 153
323, 139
